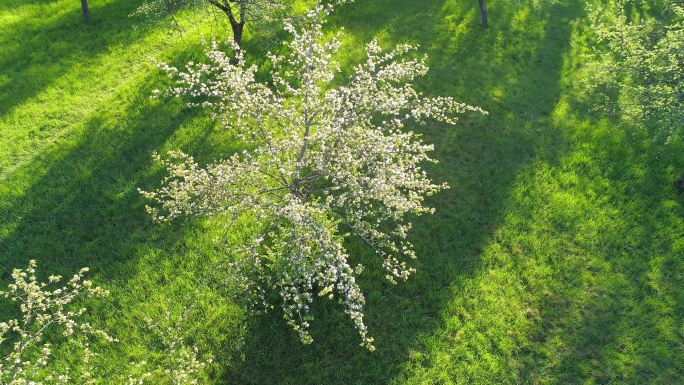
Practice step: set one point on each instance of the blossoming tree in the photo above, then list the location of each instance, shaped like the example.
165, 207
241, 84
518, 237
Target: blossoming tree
238, 12
323, 161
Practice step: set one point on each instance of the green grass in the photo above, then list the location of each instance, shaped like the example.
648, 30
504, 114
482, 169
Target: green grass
556, 257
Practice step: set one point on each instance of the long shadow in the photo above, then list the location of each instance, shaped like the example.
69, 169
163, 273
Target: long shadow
617, 312
76, 202
620, 315
34, 54
14, 4
502, 69
82, 207
78, 205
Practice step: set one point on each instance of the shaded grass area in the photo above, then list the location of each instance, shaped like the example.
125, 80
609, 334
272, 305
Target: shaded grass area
555, 257
533, 269
77, 131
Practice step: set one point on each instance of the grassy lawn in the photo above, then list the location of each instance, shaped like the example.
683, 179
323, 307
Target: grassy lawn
557, 256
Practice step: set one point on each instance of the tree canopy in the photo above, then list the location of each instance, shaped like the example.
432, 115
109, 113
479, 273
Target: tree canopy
238, 12
321, 160
643, 60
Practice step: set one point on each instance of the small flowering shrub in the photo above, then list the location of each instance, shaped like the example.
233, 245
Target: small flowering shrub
180, 363
42, 309
324, 162
644, 62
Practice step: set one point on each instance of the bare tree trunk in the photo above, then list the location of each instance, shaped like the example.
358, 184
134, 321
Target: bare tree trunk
237, 32
86, 11
235, 25
483, 12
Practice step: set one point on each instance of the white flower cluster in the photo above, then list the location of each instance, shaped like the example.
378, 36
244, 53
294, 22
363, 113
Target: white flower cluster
180, 364
41, 310
322, 160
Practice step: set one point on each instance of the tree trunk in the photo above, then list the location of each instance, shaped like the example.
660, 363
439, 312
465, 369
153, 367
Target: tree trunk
483, 12
679, 184
237, 32
86, 11
235, 25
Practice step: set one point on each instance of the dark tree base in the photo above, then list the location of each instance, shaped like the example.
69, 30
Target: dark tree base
483, 12
86, 10
679, 183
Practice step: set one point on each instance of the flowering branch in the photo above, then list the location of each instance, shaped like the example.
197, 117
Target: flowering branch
42, 309
320, 157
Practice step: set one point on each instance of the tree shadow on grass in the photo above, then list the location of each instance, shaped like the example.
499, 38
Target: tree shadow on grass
513, 70
79, 206
38, 51
82, 207
617, 312
14, 4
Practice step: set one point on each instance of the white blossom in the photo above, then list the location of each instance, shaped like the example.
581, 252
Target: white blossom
321, 160
42, 309
180, 363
